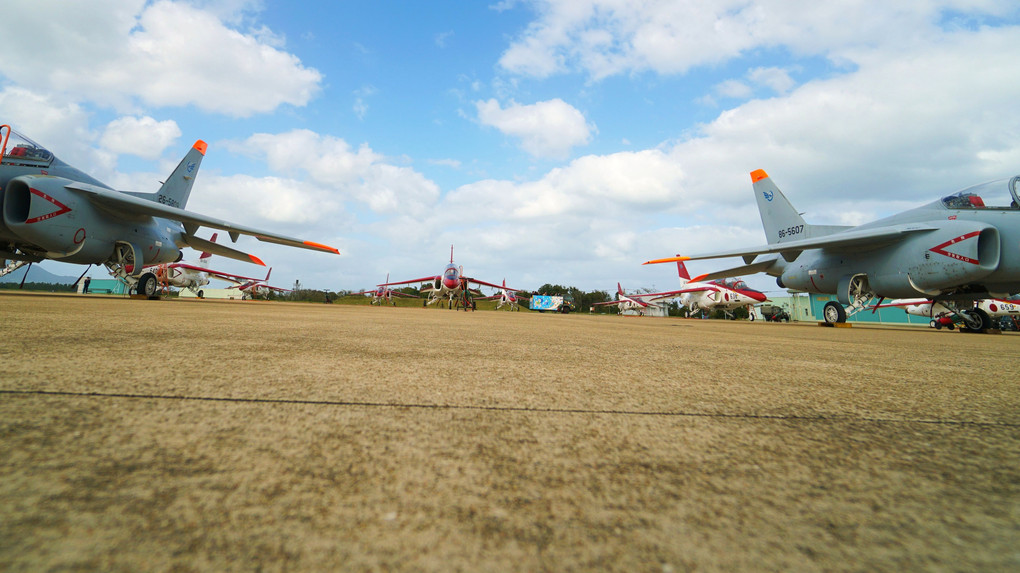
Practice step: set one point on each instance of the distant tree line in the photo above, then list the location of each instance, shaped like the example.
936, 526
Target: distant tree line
45, 287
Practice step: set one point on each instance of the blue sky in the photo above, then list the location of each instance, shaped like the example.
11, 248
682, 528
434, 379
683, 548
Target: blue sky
557, 141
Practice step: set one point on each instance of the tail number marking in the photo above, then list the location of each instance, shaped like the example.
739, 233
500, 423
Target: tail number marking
791, 231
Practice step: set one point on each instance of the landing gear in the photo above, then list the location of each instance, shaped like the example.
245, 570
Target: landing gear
126, 260
146, 285
11, 266
833, 312
858, 295
976, 320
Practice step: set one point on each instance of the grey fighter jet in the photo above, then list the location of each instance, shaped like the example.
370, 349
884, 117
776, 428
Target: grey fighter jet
963, 247
53, 211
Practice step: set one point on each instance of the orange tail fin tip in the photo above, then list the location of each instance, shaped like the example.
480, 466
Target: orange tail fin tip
757, 175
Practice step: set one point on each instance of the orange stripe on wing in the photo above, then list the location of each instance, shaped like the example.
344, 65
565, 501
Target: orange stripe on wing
322, 247
669, 260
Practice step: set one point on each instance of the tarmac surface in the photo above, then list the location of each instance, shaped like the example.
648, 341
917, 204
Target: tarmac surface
206, 435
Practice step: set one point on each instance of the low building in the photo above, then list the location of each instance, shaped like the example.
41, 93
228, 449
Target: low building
103, 286
888, 315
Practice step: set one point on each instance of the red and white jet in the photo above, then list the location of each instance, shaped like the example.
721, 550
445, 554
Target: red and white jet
251, 288
507, 297
638, 302
193, 276
942, 316
723, 294
451, 284
381, 294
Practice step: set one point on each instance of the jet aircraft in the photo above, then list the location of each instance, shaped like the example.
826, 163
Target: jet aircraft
381, 294
251, 288
507, 297
942, 316
52, 210
192, 276
724, 294
637, 302
451, 284
952, 251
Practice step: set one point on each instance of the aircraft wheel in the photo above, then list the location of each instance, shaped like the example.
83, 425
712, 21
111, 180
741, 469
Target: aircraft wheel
976, 320
935, 324
146, 284
750, 316
834, 312
201, 294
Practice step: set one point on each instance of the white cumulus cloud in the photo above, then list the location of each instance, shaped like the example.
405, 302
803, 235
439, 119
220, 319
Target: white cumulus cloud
140, 136
547, 129
122, 53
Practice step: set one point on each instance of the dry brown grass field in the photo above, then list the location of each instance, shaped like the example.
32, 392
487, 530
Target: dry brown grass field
207, 436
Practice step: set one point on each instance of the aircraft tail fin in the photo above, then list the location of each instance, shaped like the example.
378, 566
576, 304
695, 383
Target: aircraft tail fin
177, 188
681, 270
206, 255
779, 218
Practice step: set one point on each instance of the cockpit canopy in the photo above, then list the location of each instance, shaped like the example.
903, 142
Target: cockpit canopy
20, 150
999, 194
731, 283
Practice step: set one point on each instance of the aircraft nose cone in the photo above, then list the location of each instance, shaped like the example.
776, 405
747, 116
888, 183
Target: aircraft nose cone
758, 296
451, 283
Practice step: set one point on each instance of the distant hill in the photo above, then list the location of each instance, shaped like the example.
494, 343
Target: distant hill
37, 274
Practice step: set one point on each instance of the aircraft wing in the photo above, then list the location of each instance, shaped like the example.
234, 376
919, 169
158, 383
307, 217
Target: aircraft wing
790, 249
656, 296
130, 205
404, 294
623, 300
903, 302
483, 283
213, 272
200, 244
421, 280
230, 278
758, 267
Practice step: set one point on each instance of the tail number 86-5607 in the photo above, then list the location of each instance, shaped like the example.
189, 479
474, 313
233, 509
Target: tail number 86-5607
791, 231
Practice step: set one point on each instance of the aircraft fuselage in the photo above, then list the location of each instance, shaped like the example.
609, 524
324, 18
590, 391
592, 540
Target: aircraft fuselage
974, 248
46, 219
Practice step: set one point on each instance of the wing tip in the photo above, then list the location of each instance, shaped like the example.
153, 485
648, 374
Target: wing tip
757, 175
256, 260
668, 260
321, 247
